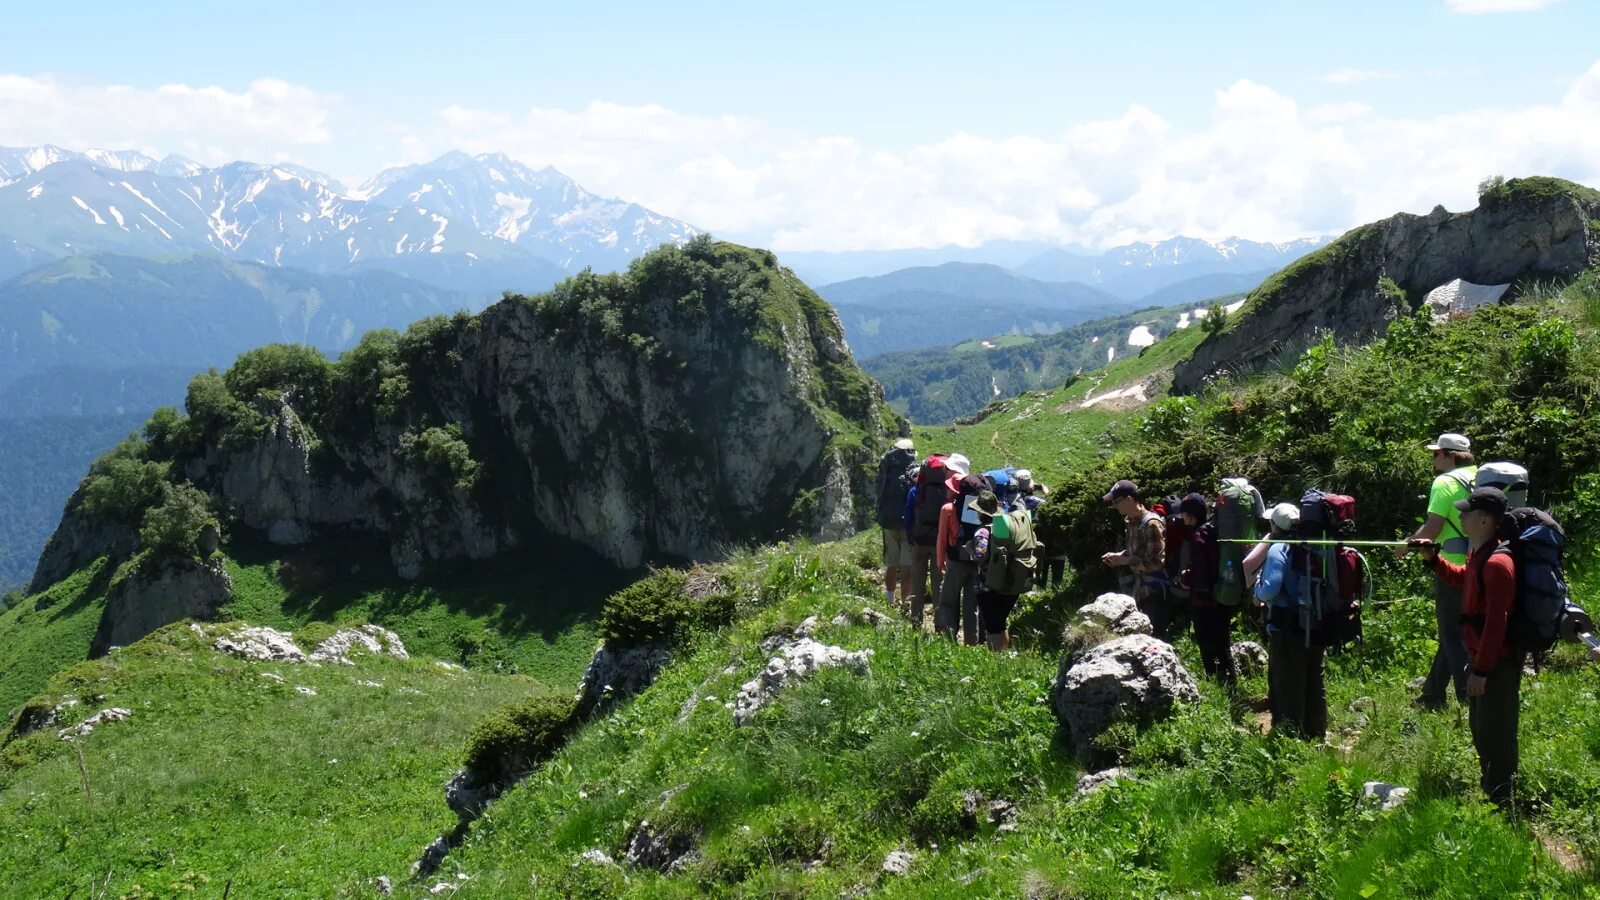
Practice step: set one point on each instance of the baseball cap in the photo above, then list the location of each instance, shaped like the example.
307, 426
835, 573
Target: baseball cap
1123, 488
904, 444
1452, 441
1487, 499
1284, 516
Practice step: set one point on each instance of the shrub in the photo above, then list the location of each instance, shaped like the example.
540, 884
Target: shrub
298, 370
661, 609
122, 483
513, 739
1216, 319
216, 411
174, 527
445, 450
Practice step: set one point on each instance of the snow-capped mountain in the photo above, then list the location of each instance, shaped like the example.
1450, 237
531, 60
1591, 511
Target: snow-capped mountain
470, 223
1141, 269
1179, 251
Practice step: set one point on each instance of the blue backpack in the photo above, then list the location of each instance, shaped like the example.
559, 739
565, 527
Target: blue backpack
1004, 484
1536, 543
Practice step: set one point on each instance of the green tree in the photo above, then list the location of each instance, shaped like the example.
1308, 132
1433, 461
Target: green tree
1216, 319
173, 527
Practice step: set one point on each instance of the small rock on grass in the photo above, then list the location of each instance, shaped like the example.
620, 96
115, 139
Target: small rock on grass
1386, 796
898, 862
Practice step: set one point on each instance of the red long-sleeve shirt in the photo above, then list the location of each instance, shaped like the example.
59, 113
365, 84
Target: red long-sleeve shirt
1486, 601
949, 525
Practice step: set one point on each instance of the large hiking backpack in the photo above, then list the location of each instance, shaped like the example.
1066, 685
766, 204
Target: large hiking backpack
1536, 543
897, 474
1004, 484
1508, 477
1333, 576
1176, 532
1237, 510
932, 495
1013, 554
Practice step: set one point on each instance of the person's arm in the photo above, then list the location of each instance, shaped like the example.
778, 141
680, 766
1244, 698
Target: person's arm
1254, 560
946, 521
1441, 499
1450, 573
1499, 591
1271, 576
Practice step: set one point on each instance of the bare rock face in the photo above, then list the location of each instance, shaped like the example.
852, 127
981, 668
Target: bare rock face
1533, 227
171, 592
615, 675
704, 402
1135, 677
79, 540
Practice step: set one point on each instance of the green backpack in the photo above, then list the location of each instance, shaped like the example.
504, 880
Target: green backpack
1012, 554
1238, 508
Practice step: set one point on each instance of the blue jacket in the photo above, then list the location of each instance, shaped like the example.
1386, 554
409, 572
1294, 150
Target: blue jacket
909, 515
1280, 585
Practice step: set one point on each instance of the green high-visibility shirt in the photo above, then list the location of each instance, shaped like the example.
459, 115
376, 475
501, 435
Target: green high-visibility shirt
1447, 489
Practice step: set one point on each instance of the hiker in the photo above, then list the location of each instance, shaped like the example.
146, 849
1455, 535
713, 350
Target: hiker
924, 502
1488, 584
1145, 554
897, 475
958, 525
1212, 620
1453, 463
1008, 556
1282, 519
1294, 663
1032, 494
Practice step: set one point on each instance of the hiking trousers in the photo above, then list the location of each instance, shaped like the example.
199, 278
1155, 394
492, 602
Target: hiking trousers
1299, 697
1055, 571
1213, 633
958, 601
1450, 660
1494, 717
1154, 603
925, 580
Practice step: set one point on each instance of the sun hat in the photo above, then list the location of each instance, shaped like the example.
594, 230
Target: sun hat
1452, 441
1284, 516
958, 464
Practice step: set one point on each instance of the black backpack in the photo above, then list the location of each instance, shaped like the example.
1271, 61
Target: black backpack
1536, 543
932, 495
897, 474
1334, 577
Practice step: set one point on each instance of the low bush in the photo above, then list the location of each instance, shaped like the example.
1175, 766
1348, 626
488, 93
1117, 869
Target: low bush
513, 739
662, 609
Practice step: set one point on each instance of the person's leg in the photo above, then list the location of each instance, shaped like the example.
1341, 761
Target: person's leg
924, 583
892, 541
1495, 717
1286, 672
1205, 637
1316, 702
969, 607
1450, 659
947, 614
1153, 603
1225, 646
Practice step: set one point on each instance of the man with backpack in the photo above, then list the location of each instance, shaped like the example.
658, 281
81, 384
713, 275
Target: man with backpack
1145, 554
1009, 556
1488, 583
1198, 577
897, 475
1454, 469
924, 503
959, 523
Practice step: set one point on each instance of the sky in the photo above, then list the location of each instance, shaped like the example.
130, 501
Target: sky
856, 125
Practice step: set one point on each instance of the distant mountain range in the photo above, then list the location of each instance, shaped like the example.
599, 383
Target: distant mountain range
473, 223
936, 306
1138, 272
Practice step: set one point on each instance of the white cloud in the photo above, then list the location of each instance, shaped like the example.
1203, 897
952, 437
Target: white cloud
1481, 7
1262, 167
1358, 76
210, 123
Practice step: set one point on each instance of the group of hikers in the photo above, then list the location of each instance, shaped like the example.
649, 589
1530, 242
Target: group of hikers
966, 541
959, 541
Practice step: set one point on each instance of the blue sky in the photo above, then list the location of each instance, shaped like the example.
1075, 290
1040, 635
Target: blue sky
728, 114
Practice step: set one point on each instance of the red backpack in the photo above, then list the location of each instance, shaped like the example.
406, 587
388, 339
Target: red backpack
932, 495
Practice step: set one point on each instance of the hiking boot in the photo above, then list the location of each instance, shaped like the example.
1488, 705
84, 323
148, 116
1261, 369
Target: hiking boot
1427, 704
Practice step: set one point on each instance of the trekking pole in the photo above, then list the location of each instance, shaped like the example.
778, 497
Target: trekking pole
1313, 543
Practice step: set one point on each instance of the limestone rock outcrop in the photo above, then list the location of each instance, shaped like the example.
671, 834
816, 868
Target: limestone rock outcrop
1525, 228
168, 592
1135, 677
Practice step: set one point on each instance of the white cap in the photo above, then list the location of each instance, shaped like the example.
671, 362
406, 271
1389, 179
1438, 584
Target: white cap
1023, 477
958, 464
904, 444
1452, 441
1284, 516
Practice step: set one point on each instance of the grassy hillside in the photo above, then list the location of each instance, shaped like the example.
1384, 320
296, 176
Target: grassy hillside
943, 385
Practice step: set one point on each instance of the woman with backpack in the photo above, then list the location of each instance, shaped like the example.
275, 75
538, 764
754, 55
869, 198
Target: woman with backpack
1212, 620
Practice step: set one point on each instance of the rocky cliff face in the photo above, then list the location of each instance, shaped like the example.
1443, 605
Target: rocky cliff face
1525, 228
704, 399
